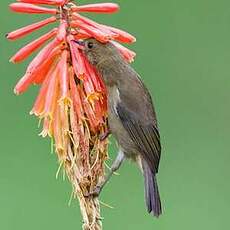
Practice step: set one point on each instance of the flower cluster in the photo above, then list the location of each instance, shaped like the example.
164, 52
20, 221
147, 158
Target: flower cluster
72, 97
60, 64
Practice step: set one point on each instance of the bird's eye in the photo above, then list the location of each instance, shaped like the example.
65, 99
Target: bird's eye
90, 45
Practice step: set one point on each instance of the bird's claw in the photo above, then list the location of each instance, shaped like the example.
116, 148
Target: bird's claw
103, 136
95, 193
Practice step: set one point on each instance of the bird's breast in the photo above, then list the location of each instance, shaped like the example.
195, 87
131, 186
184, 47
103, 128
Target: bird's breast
114, 96
115, 125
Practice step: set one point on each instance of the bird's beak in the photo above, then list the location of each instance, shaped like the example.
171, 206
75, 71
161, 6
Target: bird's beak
81, 44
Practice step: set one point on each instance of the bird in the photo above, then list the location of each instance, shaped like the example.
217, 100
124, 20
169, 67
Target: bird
131, 117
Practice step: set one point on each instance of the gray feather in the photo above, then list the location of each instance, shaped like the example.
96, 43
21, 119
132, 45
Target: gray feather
145, 136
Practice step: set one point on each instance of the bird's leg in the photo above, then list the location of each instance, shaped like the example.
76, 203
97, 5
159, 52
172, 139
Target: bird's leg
103, 136
115, 166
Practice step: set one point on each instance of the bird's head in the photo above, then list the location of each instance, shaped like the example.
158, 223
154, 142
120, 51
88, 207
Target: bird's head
98, 53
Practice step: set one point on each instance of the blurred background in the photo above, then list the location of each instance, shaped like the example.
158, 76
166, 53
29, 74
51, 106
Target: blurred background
183, 56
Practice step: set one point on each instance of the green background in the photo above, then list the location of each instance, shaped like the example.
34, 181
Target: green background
183, 49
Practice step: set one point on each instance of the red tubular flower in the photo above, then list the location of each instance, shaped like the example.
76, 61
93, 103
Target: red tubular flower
125, 52
72, 100
31, 9
92, 28
116, 34
37, 65
121, 36
78, 62
100, 35
50, 104
40, 100
97, 8
94, 77
62, 31
64, 75
44, 2
29, 29
81, 35
74, 94
31, 47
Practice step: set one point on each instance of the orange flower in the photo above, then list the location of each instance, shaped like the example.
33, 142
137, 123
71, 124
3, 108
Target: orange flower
72, 100
45, 2
72, 95
97, 8
31, 9
29, 29
31, 47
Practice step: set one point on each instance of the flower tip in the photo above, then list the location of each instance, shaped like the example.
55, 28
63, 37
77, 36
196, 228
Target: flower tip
98, 8
16, 92
43, 133
12, 60
131, 60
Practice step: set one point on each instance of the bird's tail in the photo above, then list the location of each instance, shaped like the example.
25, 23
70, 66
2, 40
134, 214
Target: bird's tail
152, 195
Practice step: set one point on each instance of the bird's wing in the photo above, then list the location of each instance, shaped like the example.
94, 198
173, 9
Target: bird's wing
145, 136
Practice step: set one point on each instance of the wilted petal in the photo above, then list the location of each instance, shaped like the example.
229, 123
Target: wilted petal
99, 113
64, 116
74, 127
58, 130
46, 127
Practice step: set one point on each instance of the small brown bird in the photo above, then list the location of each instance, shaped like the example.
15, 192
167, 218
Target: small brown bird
131, 116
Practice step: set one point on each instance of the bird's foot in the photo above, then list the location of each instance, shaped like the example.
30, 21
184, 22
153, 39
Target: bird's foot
96, 192
104, 135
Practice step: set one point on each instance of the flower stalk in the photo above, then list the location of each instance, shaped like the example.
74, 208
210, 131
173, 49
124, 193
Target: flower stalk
72, 100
